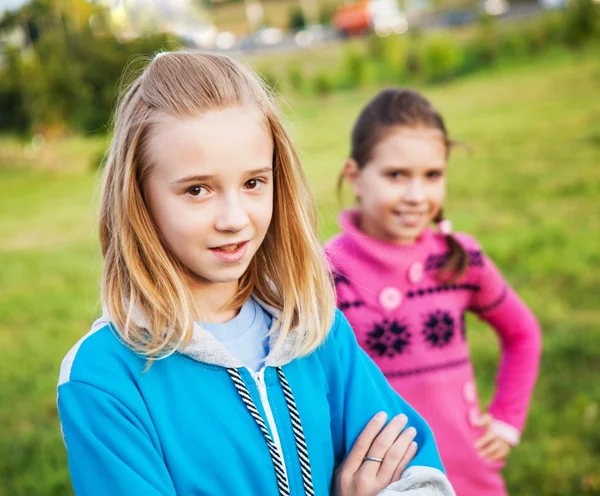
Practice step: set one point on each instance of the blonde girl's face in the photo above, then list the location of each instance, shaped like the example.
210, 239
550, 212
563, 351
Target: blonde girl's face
403, 186
210, 190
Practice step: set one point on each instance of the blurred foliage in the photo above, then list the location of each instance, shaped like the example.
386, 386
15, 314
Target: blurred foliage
582, 22
297, 20
65, 76
322, 84
326, 13
64, 79
439, 58
296, 78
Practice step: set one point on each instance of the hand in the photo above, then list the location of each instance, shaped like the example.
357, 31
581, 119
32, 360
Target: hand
360, 477
490, 446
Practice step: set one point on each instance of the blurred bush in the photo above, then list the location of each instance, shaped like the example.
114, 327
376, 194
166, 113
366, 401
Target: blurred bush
354, 68
514, 45
438, 58
322, 83
296, 20
441, 58
326, 13
65, 75
65, 79
296, 78
583, 22
13, 112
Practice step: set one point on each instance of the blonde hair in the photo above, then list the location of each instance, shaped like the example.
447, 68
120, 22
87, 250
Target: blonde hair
142, 278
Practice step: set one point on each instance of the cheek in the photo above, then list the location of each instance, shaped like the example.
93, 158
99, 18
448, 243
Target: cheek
439, 193
378, 192
262, 213
176, 222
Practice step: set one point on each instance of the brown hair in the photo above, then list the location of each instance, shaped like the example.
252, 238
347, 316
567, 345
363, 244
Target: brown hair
392, 108
140, 274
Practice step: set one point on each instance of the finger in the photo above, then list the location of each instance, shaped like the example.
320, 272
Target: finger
484, 440
496, 456
382, 443
363, 443
406, 459
395, 454
488, 450
495, 452
491, 450
483, 420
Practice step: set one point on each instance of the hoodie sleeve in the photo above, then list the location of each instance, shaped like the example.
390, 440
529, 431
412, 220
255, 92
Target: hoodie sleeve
110, 449
359, 390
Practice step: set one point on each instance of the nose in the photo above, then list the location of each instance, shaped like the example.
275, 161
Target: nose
415, 191
232, 215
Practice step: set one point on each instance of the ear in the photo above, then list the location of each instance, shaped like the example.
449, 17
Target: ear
352, 174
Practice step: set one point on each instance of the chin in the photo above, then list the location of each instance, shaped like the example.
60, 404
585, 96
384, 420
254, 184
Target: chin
234, 273
409, 235
225, 275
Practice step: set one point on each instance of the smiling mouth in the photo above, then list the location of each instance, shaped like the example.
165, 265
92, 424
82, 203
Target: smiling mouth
230, 248
414, 214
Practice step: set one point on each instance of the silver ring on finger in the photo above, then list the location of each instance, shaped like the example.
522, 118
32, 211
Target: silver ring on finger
373, 459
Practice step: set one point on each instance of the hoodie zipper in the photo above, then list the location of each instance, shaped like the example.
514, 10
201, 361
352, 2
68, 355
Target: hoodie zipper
259, 379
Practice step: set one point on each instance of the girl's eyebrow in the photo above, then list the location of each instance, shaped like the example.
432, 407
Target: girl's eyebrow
404, 167
207, 177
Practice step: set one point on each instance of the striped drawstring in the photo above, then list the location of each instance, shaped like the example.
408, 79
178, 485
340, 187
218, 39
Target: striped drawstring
276, 457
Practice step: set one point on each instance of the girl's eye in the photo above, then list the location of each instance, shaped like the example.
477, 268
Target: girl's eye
434, 174
196, 191
397, 174
253, 184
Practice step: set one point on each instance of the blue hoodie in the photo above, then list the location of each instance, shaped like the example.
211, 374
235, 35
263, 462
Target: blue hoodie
181, 428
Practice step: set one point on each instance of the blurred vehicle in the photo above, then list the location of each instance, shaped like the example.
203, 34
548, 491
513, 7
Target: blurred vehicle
264, 36
383, 17
553, 4
313, 33
495, 7
198, 35
459, 17
225, 40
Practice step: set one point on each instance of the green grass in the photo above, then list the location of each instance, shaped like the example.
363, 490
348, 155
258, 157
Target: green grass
528, 190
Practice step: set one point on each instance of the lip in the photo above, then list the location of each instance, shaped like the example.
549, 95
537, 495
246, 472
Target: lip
231, 256
410, 212
410, 219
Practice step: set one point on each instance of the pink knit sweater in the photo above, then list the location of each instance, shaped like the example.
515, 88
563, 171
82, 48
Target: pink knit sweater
413, 327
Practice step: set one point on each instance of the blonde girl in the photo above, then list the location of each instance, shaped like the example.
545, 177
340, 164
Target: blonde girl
220, 365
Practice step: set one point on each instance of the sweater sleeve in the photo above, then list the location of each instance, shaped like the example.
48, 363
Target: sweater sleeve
520, 339
359, 391
108, 446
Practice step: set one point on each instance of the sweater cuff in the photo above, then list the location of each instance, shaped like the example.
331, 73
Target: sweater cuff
505, 431
420, 481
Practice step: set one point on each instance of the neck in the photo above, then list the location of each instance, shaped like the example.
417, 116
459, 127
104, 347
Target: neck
211, 300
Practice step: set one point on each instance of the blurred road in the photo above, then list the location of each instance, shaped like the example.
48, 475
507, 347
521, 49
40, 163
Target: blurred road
285, 42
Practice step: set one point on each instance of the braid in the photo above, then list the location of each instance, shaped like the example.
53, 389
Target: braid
458, 261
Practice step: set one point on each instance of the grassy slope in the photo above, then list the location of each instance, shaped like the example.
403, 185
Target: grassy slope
529, 192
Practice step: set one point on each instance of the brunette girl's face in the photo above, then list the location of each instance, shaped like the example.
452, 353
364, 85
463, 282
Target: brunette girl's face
403, 186
210, 190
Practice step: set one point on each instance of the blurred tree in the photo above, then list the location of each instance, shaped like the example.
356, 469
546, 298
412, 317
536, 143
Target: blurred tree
297, 21
13, 114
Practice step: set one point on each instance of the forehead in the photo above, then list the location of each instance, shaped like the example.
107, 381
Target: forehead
216, 142
405, 147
